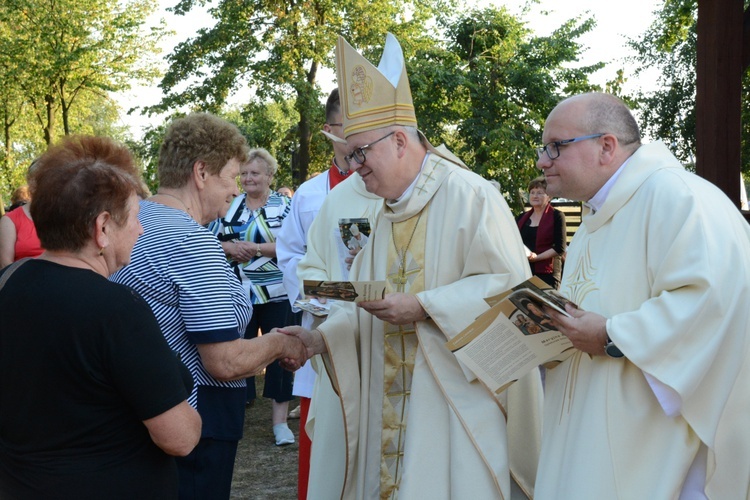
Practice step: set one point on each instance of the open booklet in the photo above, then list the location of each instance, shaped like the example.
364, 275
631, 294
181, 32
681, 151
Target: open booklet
514, 335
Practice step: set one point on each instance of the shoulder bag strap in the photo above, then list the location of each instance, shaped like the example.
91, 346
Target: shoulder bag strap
11, 269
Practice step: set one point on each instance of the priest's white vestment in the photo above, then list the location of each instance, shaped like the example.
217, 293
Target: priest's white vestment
667, 260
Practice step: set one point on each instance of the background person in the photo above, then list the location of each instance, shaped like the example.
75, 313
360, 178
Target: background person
179, 268
292, 246
118, 407
248, 237
654, 403
20, 196
285, 191
544, 232
18, 236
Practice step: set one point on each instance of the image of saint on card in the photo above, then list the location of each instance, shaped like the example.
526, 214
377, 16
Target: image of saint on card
354, 236
354, 232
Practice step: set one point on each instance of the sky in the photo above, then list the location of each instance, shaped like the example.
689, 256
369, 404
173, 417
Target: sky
606, 42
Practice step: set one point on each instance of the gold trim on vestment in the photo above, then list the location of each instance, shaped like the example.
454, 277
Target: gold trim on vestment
405, 267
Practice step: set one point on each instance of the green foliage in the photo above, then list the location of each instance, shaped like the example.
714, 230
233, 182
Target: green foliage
668, 113
146, 152
59, 61
487, 89
670, 45
276, 49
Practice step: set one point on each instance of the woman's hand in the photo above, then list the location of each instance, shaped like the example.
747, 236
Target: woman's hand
239, 251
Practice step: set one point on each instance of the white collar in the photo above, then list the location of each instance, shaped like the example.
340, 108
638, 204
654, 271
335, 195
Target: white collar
408, 191
595, 203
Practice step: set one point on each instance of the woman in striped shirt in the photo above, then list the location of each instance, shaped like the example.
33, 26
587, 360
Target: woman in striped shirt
248, 236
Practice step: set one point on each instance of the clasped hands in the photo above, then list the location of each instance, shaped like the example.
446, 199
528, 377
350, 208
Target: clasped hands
394, 308
585, 329
240, 251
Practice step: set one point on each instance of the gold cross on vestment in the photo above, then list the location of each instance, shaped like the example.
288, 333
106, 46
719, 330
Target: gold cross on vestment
401, 278
427, 178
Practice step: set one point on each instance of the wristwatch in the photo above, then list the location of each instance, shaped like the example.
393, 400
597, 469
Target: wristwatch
612, 350
258, 253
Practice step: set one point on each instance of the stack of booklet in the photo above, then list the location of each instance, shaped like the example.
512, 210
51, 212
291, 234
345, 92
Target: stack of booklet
514, 335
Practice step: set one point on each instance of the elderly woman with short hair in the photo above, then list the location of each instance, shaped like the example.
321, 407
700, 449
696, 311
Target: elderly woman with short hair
248, 237
179, 268
119, 406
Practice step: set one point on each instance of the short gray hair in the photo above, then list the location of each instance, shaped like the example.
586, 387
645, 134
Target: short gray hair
263, 155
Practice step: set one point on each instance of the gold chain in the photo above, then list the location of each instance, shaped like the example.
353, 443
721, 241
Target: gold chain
402, 256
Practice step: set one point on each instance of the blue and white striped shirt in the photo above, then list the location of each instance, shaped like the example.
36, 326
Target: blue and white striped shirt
178, 267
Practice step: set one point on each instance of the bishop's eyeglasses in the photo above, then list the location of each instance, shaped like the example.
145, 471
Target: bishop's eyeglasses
358, 154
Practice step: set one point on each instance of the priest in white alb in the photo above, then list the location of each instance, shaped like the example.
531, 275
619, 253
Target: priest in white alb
655, 402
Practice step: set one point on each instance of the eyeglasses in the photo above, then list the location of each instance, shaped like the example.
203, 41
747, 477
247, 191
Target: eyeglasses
553, 148
358, 154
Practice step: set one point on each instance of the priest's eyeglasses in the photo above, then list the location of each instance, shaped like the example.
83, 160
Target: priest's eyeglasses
358, 155
553, 148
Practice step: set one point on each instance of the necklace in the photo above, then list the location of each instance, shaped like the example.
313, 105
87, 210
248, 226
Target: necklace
400, 279
176, 198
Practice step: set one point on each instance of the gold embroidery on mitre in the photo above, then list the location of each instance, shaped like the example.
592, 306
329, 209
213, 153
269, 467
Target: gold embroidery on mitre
370, 99
405, 274
361, 87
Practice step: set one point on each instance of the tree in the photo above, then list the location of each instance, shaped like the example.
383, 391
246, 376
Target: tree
668, 113
60, 58
277, 49
487, 90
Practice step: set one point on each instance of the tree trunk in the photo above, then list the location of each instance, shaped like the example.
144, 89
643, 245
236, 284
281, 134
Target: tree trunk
305, 102
8, 160
49, 102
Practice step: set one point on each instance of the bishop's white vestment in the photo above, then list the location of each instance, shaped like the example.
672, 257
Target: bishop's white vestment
325, 261
418, 423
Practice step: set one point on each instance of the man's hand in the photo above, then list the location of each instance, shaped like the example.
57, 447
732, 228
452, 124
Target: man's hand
396, 309
586, 330
294, 352
311, 340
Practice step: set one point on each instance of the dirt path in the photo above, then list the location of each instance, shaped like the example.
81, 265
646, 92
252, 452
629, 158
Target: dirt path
262, 469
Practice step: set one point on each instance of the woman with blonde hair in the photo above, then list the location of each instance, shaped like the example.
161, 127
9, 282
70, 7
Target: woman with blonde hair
18, 236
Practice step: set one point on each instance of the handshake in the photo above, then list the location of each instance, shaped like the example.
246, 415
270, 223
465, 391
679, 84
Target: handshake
297, 345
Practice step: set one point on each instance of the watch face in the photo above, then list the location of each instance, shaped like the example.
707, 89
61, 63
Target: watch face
613, 351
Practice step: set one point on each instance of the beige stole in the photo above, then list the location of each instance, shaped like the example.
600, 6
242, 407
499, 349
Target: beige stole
406, 275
